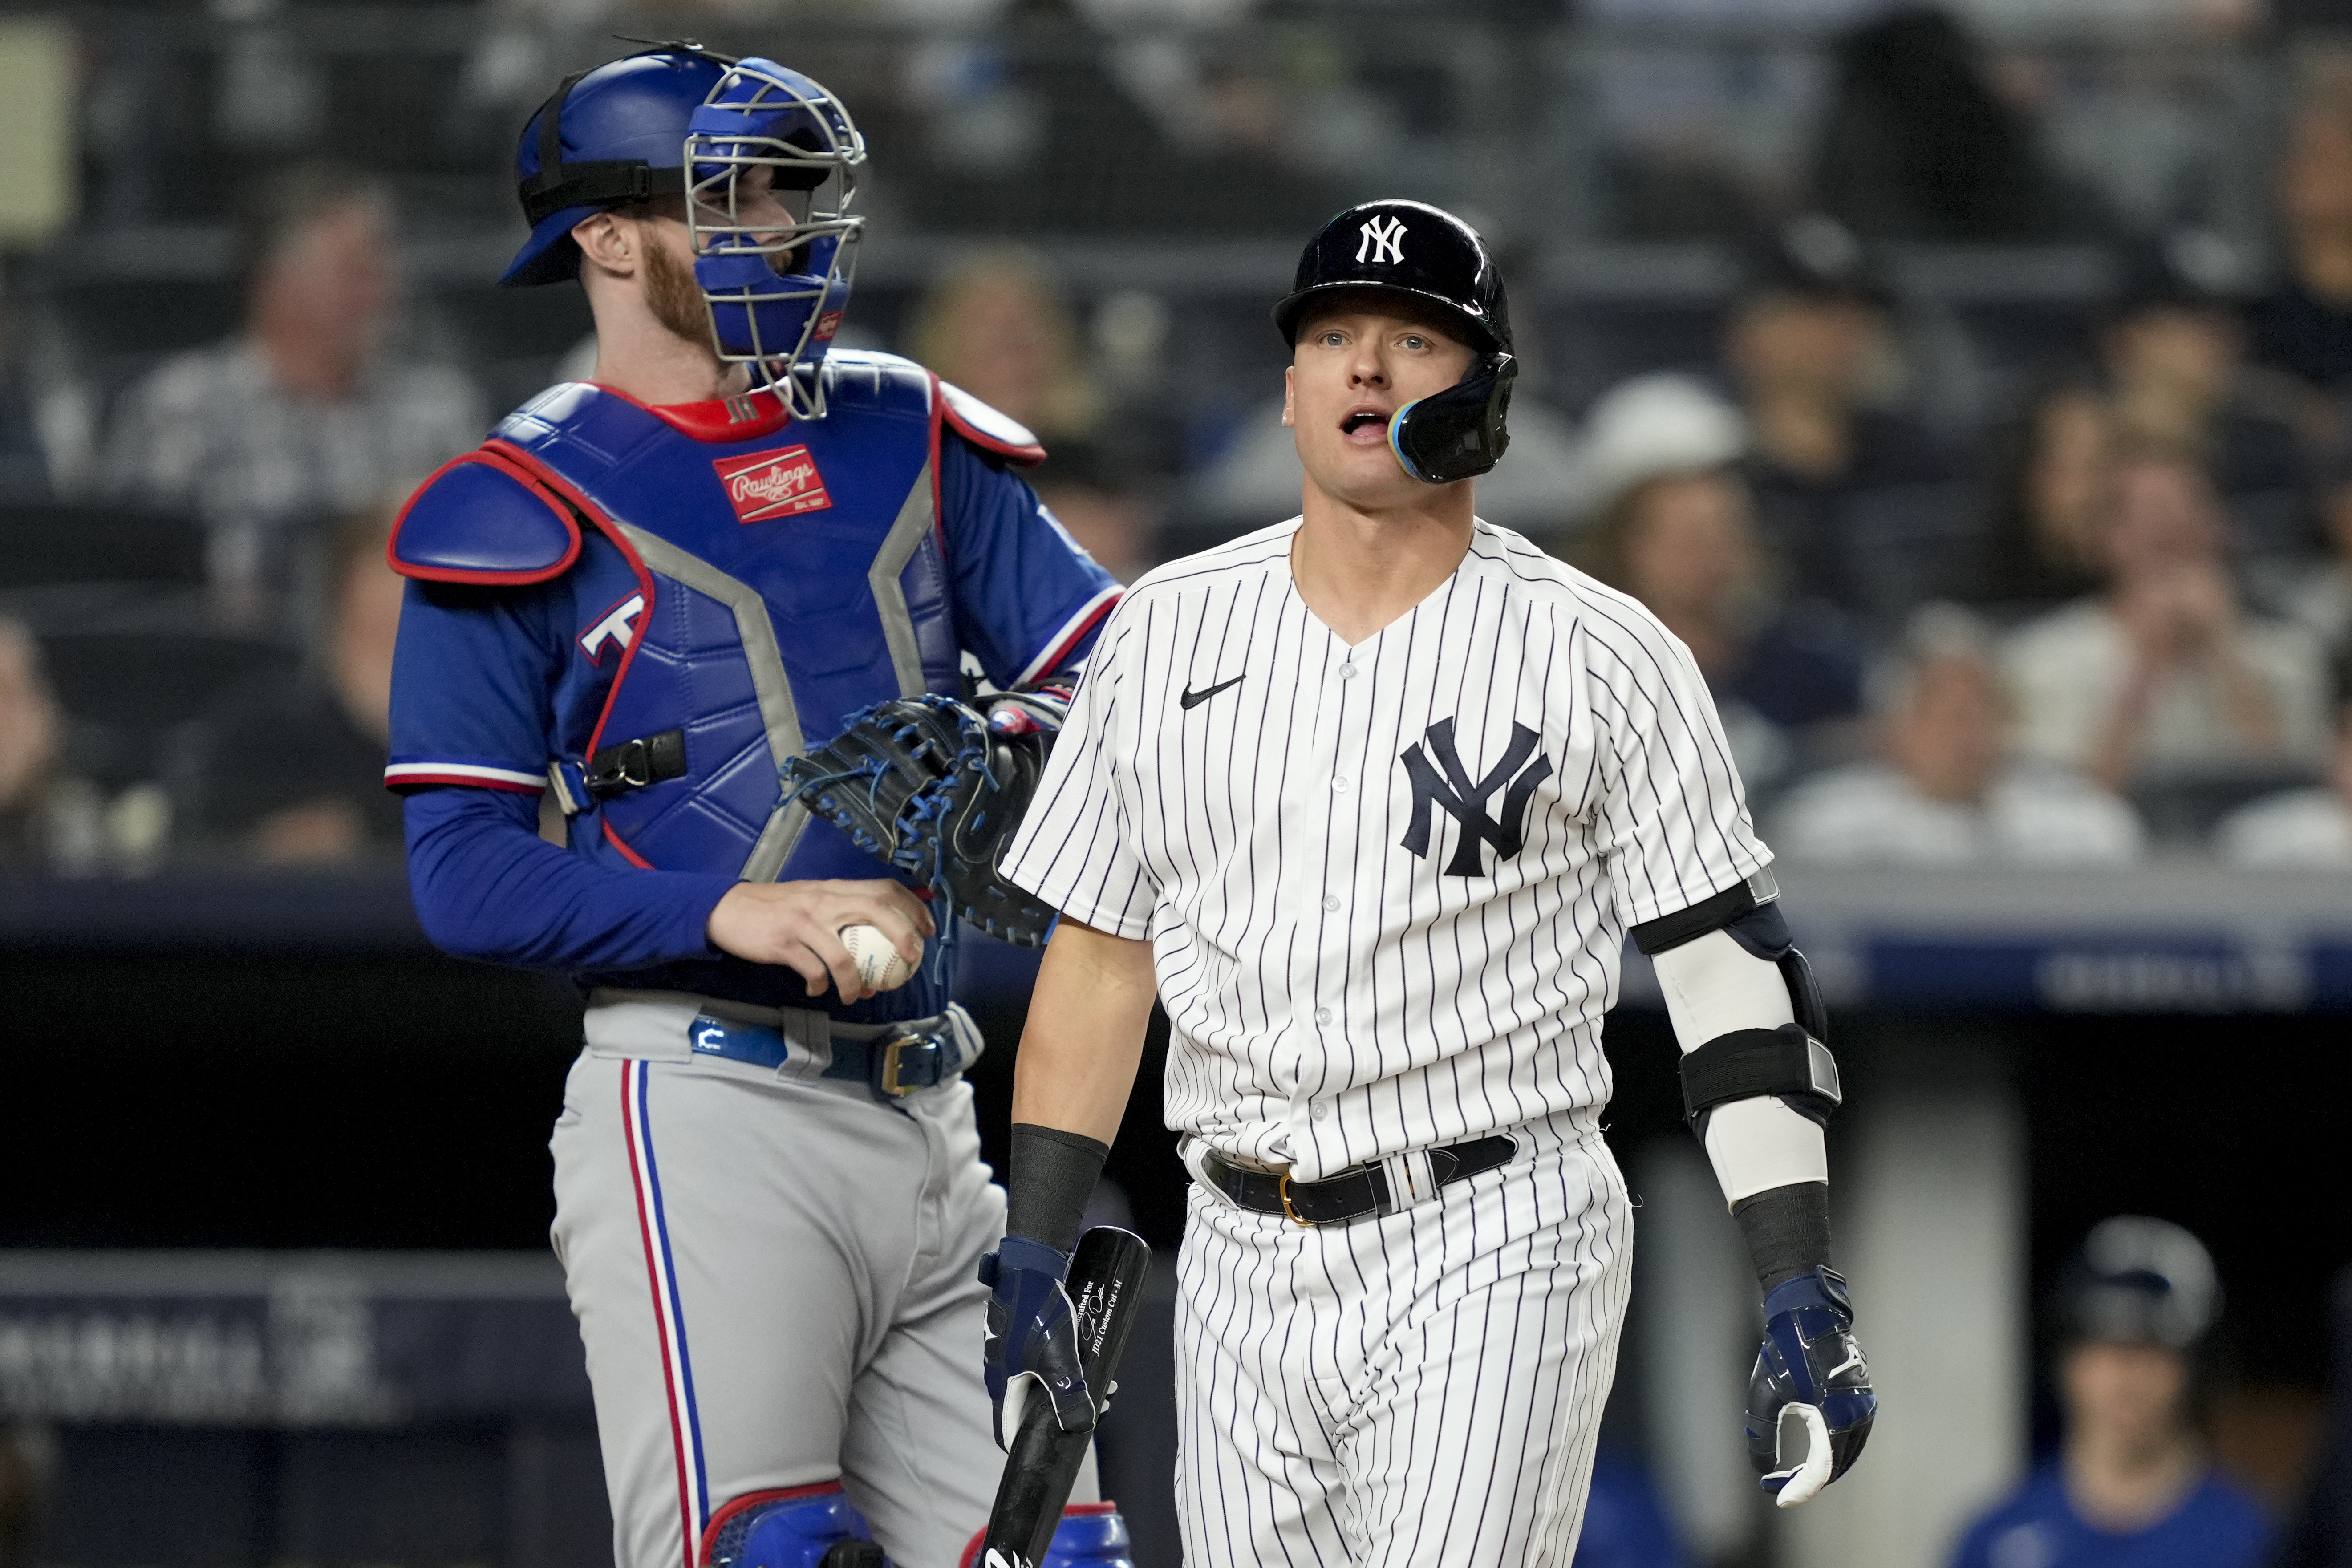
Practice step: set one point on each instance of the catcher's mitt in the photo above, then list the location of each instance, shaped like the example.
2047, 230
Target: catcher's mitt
928, 785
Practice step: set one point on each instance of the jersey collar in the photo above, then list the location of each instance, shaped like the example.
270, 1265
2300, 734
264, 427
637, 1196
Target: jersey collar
742, 418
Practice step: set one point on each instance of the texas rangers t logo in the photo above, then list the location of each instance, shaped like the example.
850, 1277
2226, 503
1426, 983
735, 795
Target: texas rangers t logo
1384, 238
1465, 801
773, 484
618, 625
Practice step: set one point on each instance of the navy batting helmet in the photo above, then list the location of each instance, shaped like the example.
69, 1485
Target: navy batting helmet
1404, 247
614, 135
1421, 253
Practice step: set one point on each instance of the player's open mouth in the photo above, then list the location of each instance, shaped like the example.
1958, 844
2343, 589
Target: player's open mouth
1359, 419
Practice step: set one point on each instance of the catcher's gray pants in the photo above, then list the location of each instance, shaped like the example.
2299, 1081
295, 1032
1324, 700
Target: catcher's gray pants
775, 1277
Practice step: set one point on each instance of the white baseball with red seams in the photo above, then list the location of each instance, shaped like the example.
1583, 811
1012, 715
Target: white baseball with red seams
879, 964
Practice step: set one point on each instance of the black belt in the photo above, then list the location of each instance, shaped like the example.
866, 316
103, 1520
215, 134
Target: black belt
1351, 1195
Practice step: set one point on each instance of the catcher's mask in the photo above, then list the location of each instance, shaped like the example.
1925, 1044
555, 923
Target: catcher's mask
775, 280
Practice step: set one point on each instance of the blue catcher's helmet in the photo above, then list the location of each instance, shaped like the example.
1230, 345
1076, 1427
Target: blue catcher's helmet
776, 282
614, 135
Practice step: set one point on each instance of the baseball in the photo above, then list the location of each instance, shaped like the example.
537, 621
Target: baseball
878, 963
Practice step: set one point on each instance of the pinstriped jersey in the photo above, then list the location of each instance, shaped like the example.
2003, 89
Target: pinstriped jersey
1386, 886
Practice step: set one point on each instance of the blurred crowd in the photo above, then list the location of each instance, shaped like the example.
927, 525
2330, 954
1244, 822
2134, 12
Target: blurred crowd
2108, 617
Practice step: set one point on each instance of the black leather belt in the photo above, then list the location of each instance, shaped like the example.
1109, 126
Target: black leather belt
1351, 1195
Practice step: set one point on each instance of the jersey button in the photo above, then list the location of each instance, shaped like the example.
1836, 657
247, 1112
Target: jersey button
1340, 784
1322, 1112
1322, 1015
1331, 903
1346, 672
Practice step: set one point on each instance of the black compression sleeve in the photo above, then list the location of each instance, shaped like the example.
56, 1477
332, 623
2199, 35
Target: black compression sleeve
1053, 1174
1787, 1230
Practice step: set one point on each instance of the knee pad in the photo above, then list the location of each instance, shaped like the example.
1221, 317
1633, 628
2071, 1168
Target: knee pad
1091, 1535
798, 1527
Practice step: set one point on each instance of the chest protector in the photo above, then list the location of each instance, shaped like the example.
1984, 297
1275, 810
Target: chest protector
766, 578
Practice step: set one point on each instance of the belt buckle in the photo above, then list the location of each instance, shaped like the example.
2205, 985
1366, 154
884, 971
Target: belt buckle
891, 1065
1294, 1216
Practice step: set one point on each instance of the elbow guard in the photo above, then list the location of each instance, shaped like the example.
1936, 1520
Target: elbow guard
1792, 1061
1786, 1062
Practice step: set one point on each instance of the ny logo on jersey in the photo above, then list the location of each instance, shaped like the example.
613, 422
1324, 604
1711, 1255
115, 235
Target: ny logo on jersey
1384, 239
618, 625
1448, 785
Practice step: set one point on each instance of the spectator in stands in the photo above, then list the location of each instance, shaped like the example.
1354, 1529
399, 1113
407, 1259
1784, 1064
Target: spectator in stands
1676, 531
51, 819
2053, 482
2131, 1483
289, 770
1808, 351
303, 416
2320, 599
2163, 672
2173, 347
2307, 829
1947, 790
2303, 325
997, 325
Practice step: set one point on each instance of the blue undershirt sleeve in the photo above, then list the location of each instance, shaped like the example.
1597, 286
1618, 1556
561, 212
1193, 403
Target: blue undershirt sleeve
488, 887
1028, 601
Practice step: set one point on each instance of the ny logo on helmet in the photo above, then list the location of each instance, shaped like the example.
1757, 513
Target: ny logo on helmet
1384, 243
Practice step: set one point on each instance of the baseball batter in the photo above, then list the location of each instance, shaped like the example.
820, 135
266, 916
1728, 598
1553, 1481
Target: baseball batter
649, 594
1371, 799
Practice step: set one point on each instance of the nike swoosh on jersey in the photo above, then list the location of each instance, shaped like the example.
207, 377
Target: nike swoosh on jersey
1191, 698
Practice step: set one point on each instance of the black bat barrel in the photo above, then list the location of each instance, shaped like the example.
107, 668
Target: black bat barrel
1106, 1286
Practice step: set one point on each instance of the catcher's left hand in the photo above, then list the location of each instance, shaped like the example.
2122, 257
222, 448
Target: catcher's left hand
934, 788
1810, 1404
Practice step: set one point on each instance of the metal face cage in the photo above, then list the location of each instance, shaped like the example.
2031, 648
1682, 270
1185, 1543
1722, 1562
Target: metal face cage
776, 289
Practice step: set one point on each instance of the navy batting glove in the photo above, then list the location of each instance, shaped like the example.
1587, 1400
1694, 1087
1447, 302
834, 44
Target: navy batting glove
1033, 1338
1810, 1404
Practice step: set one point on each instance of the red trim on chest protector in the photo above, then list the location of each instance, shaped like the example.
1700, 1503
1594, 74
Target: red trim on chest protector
499, 461
1020, 455
742, 418
595, 514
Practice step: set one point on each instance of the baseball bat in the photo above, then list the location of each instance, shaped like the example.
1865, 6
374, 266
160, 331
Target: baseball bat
1106, 1286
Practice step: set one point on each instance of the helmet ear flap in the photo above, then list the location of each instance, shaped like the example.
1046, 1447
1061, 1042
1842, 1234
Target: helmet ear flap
1461, 432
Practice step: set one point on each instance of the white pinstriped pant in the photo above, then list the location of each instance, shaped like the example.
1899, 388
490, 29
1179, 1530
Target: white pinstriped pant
1417, 1391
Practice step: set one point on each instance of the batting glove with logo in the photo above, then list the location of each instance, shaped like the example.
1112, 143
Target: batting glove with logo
1033, 1338
1810, 1404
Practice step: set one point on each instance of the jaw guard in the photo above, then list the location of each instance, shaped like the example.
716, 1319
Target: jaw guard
1457, 434
776, 293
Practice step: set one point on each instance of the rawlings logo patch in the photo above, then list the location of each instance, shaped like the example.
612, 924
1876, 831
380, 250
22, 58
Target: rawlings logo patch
826, 325
773, 484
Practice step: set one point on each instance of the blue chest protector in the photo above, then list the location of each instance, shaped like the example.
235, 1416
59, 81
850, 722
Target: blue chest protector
741, 595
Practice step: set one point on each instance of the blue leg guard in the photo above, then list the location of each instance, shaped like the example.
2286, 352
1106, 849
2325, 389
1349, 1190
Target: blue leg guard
1091, 1535
801, 1527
